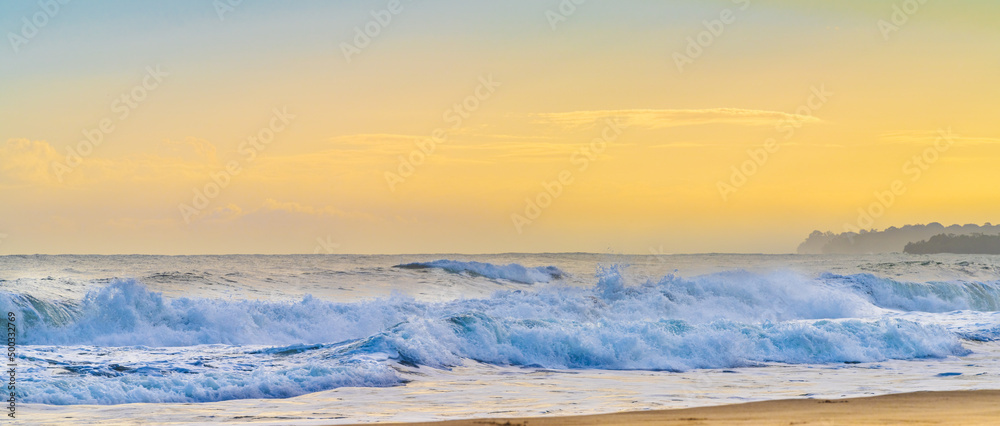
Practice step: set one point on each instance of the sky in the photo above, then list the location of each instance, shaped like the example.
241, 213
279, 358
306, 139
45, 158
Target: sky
214, 127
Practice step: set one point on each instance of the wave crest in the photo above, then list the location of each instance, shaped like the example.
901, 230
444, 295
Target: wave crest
924, 297
512, 272
722, 320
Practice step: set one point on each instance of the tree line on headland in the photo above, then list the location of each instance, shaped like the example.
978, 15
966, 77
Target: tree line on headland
917, 239
960, 244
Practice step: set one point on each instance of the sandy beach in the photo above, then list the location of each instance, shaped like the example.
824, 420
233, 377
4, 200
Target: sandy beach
918, 408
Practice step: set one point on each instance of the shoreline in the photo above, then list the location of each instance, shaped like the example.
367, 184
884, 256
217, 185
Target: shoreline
926, 407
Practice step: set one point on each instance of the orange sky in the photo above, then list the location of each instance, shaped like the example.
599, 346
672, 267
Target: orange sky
518, 126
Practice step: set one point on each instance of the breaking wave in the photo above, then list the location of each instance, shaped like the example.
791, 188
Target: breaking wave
235, 349
512, 272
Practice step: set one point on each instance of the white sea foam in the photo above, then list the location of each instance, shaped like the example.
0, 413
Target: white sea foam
89, 375
274, 349
925, 297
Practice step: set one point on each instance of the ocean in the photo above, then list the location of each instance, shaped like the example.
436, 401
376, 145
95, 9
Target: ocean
327, 339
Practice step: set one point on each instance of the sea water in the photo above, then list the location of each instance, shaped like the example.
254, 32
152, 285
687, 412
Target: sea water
324, 339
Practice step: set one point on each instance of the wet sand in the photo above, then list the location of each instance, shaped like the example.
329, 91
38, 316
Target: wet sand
918, 408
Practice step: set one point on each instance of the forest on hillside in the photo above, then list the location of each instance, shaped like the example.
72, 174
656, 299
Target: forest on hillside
960, 244
890, 240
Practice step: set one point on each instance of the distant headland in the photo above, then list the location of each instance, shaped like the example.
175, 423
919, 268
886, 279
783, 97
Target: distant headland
917, 239
959, 244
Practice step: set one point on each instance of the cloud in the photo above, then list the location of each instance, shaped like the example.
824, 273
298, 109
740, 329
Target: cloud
293, 207
661, 118
135, 224
229, 212
191, 149
275, 209
24, 161
365, 140
929, 136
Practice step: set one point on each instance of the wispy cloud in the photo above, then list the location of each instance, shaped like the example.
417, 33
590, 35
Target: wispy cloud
289, 211
373, 139
661, 118
24, 161
928, 136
